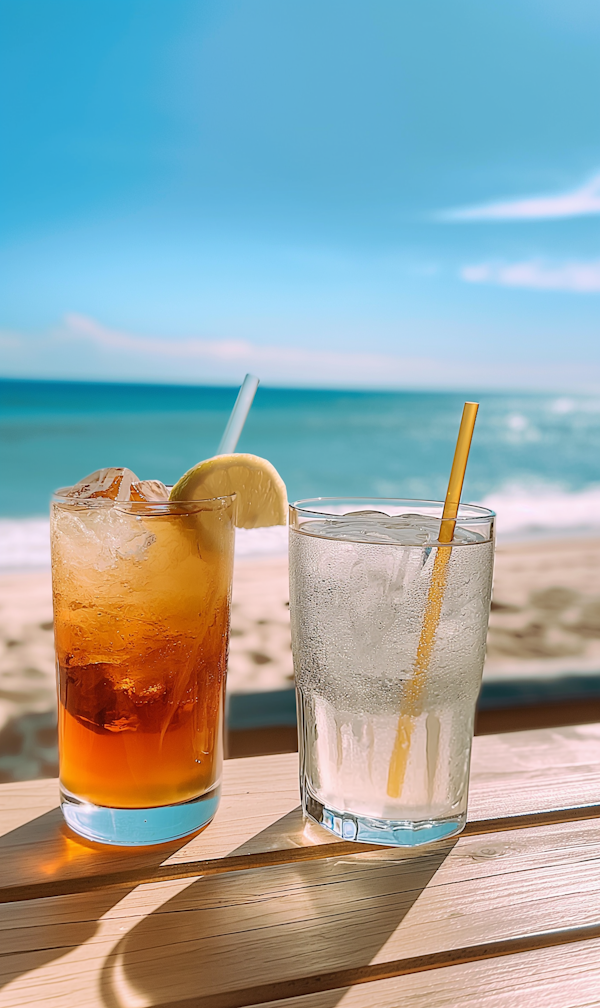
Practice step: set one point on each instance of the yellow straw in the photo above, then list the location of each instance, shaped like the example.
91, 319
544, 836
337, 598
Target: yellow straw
433, 607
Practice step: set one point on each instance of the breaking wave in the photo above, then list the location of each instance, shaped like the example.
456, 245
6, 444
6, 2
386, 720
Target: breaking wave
527, 511
523, 512
25, 543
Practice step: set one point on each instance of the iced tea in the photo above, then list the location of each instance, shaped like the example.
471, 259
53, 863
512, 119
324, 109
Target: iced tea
141, 600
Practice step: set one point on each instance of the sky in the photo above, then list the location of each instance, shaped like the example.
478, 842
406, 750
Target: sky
325, 192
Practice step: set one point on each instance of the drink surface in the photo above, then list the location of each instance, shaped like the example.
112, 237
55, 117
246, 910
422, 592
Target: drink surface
141, 601
359, 587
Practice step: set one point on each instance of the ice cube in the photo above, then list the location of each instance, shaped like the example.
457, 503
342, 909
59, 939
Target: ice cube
148, 490
375, 526
114, 484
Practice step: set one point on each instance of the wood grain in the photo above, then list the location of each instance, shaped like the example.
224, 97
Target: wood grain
330, 983
514, 775
563, 977
37, 846
259, 907
147, 874
253, 934
533, 771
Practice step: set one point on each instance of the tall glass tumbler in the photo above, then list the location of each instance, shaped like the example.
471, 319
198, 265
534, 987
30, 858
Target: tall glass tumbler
386, 707
141, 614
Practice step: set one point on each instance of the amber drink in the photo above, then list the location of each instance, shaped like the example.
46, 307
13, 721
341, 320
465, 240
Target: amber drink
141, 601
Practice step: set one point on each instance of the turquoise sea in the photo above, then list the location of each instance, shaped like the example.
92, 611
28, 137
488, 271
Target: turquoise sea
536, 458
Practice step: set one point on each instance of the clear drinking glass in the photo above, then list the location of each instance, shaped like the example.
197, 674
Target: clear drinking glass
388, 665
141, 616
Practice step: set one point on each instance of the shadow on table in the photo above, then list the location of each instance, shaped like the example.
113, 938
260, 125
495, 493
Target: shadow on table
242, 938
221, 937
44, 849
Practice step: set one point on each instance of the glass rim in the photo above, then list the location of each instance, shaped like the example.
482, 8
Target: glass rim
477, 513
58, 497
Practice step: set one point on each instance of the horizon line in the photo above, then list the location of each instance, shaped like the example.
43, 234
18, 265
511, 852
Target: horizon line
378, 390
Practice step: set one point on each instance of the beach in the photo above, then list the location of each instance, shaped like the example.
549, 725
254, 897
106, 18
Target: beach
545, 622
533, 461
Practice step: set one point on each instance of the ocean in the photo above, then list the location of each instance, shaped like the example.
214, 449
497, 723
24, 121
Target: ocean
535, 457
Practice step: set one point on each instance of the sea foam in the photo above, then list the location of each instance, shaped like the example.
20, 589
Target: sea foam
25, 543
523, 512
526, 511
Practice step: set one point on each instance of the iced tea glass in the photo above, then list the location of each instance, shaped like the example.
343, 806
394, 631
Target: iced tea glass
141, 615
386, 710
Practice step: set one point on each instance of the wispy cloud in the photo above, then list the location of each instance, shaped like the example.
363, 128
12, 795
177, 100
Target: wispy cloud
576, 203
224, 350
83, 348
300, 365
292, 363
9, 340
579, 277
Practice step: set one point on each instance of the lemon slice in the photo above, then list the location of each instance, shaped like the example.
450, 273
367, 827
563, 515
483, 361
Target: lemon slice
261, 495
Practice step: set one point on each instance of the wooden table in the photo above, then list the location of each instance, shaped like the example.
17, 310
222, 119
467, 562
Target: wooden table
258, 910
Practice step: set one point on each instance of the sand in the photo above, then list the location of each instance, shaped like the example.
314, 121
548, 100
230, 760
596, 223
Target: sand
545, 621
545, 616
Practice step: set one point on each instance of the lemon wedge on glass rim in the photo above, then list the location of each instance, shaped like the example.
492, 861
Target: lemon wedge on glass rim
261, 497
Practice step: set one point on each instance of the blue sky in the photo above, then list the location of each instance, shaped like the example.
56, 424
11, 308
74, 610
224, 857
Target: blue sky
375, 194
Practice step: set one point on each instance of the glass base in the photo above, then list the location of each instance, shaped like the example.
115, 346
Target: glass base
388, 832
138, 827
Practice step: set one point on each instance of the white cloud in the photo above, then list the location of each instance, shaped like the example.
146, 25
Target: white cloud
9, 340
326, 362
83, 348
291, 364
577, 203
81, 325
580, 277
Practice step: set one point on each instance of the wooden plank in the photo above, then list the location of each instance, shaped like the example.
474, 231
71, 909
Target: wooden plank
24, 802
37, 846
230, 938
514, 775
563, 977
567, 976
149, 874
529, 771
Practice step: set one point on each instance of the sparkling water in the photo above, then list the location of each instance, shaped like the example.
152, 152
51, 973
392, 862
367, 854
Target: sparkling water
358, 596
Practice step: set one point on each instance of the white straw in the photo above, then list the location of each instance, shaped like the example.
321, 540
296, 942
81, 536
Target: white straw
238, 416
